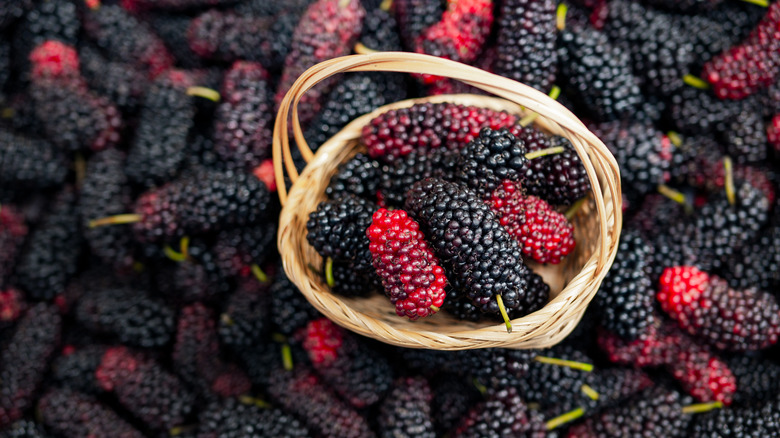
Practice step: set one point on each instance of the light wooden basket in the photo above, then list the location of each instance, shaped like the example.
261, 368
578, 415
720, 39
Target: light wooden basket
573, 282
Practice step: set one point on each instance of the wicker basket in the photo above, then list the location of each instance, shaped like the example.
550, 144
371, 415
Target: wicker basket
573, 282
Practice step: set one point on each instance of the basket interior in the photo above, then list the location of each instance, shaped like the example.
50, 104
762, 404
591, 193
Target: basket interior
376, 305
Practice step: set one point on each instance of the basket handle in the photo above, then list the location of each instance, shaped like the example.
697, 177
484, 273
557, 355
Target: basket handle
555, 116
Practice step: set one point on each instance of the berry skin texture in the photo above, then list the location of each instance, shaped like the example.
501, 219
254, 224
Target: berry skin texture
703, 375
244, 118
24, 360
494, 156
70, 413
156, 397
655, 412
28, 162
328, 29
160, 144
749, 66
544, 234
750, 421
352, 368
411, 274
707, 307
421, 127
121, 82
359, 176
503, 414
625, 300
526, 43
482, 271
13, 231
75, 368
303, 394
460, 34
24, 429
54, 59
773, 133
230, 418
337, 229
414, 17
51, 255
406, 411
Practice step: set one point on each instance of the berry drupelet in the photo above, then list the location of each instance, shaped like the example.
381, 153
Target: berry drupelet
70, 413
72, 117
702, 374
239, 251
544, 235
24, 429
752, 421
380, 31
758, 379
756, 264
491, 158
351, 282
625, 304
503, 414
749, 66
744, 137
303, 394
411, 274
196, 355
353, 96
245, 319
30, 163
128, 313
123, 37
230, 418
487, 272
11, 12
414, 17
56, 20
358, 176
12, 307
558, 178
706, 306
452, 399
525, 46
460, 34
75, 368
24, 359
52, 252
328, 29
198, 277
160, 144
121, 82
425, 126
13, 231
360, 374
654, 412
149, 392
243, 121
552, 386
337, 229
105, 190
289, 309
406, 411
399, 176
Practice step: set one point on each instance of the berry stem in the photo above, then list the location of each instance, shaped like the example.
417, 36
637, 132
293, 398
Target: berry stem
386, 5
762, 3
7, 113
545, 152
672, 194
560, 16
701, 407
565, 418
261, 276
80, 167
696, 82
674, 138
287, 359
344, 3
582, 366
226, 319
329, 278
590, 392
361, 49
249, 400
178, 430
204, 92
504, 315
480, 387
129, 218
173, 254
575, 208
728, 167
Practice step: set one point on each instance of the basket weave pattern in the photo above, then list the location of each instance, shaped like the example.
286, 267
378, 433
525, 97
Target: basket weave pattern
573, 282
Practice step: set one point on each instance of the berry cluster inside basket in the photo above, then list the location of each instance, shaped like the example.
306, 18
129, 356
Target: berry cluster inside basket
445, 208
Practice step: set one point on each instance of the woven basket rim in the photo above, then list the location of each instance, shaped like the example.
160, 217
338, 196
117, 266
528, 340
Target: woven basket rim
544, 327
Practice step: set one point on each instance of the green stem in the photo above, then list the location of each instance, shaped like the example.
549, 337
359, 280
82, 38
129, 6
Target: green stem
204, 92
329, 278
672, 194
504, 315
560, 16
696, 82
701, 407
544, 152
129, 218
173, 254
582, 366
565, 418
674, 138
287, 358
361, 49
762, 3
575, 208
261, 276
728, 167
590, 392
249, 400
